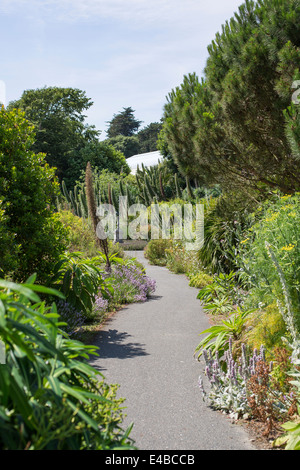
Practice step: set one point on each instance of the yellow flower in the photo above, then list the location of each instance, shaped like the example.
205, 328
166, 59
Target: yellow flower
288, 247
245, 241
273, 217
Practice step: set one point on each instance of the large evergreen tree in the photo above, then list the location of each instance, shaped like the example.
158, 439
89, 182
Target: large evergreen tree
248, 74
185, 112
148, 137
238, 126
123, 123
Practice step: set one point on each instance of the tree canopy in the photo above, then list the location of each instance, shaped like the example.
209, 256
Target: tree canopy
62, 134
238, 125
123, 123
148, 137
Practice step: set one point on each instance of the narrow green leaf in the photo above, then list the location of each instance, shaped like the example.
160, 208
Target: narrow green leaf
45, 290
28, 293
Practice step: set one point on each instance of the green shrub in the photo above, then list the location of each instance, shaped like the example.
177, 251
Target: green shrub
216, 338
266, 327
155, 251
80, 280
225, 220
180, 260
9, 250
270, 257
222, 286
31, 237
50, 396
200, 280
80, 235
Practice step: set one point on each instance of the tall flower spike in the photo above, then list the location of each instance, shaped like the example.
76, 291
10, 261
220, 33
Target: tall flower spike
92, 209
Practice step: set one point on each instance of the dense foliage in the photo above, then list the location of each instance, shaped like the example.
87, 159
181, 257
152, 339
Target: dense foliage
143, 141
50, 397
62, 134
238, 126
123, 123
31, 235
230, 141
269, 256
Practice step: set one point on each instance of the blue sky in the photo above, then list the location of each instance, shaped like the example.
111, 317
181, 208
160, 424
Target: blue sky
121, 53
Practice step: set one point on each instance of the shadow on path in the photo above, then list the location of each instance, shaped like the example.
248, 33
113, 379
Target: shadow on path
114, 344
154, 297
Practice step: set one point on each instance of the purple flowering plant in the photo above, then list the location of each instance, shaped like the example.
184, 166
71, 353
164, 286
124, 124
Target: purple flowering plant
71, 318
229, 385
130, 284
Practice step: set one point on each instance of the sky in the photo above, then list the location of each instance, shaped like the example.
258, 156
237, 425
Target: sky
121, 53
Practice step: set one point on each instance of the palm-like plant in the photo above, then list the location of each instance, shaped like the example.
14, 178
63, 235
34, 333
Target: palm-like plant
217, 336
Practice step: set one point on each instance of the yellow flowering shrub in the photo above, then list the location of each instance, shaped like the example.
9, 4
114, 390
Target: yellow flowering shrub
270, 256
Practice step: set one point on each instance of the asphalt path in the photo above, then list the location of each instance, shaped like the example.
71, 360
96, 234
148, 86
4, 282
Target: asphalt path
148, 349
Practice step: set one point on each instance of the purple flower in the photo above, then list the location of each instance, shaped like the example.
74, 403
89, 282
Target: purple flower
130, 284
69, 315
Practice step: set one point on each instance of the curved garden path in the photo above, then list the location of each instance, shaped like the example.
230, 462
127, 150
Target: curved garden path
148, 349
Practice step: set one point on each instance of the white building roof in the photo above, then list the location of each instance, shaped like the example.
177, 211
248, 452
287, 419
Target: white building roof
148, 159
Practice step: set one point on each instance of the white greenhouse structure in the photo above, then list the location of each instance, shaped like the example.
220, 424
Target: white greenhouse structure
148, 159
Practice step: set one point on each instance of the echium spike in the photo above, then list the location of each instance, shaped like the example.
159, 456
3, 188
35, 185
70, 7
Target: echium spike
230, 346
161, 187
178, 193
109, 194
92, 209
262, 353
122, 192
72, 201
65, 191
189, 188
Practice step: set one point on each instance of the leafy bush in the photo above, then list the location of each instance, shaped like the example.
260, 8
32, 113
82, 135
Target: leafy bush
80, 280
223, 288
80, 235
180, 260
32, 237
270, 256
200, 280
155, 251
225, 220
217, 337
129, 283
50, 397
266, 326
9, 250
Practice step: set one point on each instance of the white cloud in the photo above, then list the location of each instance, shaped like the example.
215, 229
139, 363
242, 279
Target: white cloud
136, 12
137, 52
